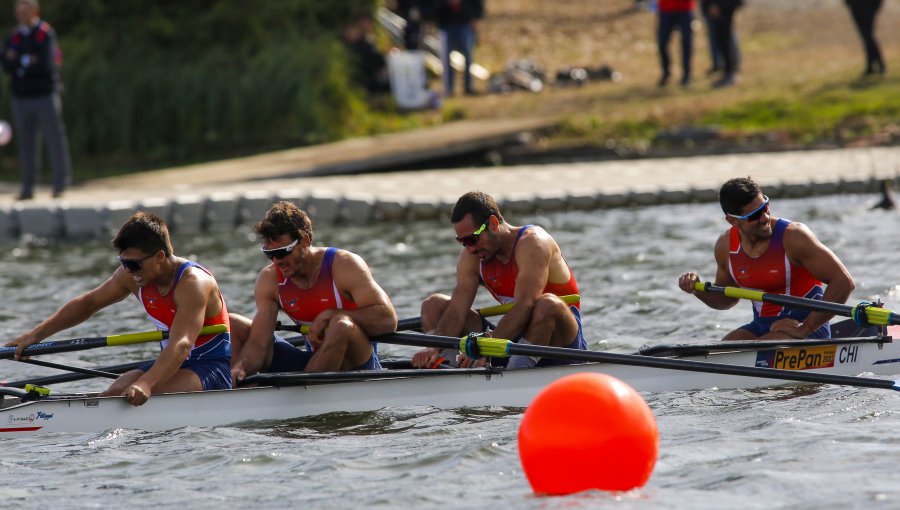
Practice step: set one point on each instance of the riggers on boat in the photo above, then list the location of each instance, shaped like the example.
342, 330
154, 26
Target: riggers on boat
285, 396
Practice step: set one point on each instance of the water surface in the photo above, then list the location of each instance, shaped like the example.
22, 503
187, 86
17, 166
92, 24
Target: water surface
801, 446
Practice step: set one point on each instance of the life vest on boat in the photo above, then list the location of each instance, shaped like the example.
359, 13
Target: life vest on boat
304, 305
161, 309
771, 272
499, 278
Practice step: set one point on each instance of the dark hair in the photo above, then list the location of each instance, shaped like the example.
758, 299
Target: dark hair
736, 194
144, 231
285, 218
480, 205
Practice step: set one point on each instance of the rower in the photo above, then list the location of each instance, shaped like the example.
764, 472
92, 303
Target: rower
774, 255
178, 295
515, 264
329, 289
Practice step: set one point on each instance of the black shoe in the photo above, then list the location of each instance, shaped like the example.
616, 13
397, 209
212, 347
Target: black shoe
726, 81
685, 81
58, 193
25, 196
663, 81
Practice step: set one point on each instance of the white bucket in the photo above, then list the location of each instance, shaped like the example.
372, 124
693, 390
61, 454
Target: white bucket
406, 70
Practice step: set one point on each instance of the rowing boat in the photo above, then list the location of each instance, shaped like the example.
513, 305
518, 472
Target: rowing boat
285, 396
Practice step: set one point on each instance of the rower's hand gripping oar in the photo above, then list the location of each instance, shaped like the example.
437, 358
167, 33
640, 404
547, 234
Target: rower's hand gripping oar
863, 314
477, 346
80, 344
416, 322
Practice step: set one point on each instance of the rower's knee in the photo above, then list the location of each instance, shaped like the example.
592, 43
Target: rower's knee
435, 304
547, 307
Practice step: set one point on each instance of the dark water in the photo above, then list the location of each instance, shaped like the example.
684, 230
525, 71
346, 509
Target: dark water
787, 447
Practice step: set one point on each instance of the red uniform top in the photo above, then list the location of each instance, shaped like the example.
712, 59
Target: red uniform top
500, 278
303, 305
161, 309
676, 5
771, 272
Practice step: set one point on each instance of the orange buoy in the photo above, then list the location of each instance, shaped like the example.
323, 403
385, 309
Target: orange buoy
587, 431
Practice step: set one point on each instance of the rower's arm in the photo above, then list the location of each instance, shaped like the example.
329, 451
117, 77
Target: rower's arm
256, 351
804, 249
453, 320
79, 309
374, 311
195, 289
532, 254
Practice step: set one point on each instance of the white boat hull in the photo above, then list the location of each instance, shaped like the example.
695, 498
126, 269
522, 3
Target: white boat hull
457, 389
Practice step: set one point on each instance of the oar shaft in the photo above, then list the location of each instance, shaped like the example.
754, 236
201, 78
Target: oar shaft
86, 371
80, 344
491, 345
487, 311
875, 315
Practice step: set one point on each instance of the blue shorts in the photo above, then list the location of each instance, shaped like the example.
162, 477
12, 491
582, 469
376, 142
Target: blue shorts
211, 362
762, 325
288, 358
578, 343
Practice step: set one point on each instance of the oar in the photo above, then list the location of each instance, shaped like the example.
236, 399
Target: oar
87, 373
416, 322
499, 347
80, 344
873, 314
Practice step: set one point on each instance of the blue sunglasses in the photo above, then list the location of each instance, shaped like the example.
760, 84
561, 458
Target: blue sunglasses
754, 214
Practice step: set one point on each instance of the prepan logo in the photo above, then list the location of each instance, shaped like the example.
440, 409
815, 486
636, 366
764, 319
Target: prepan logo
40, 415
806, 358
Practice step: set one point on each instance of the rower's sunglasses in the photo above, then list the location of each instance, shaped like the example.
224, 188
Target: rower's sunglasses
754, 214
472, 240
133, 265
279, 253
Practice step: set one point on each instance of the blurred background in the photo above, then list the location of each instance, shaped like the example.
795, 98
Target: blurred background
155, 83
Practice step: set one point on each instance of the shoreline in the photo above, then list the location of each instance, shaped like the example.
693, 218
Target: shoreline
94, 209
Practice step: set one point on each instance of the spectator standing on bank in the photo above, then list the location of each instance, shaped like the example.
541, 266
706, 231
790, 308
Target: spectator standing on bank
675, 14
415, 12
864, 13
457, 22
32, 58
722, 14
370, 67
717, 61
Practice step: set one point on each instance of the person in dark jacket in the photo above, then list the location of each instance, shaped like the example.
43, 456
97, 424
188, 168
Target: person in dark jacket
721, 12
864, 13
457, 22
32, 58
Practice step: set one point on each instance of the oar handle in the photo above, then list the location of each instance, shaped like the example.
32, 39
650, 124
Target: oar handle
873, 314
491, 311
303, 329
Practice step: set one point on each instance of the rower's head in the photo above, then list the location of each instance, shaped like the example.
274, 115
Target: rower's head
745, 206
476, 219
143, 244
286, 232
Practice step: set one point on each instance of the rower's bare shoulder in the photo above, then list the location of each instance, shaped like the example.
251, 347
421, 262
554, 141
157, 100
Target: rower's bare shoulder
346, 260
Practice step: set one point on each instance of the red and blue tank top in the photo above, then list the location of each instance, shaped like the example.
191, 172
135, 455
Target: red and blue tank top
771, 272
161, 309
499, 278
304, 305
